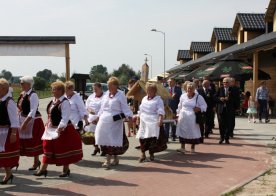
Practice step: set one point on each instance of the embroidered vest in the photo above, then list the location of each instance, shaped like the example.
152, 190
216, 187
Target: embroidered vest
54, 114
23, 104
4, 116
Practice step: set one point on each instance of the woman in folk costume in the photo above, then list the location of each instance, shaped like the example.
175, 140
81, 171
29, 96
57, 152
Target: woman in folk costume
9, 139
109, 133
32, 126
78, 110
187, 128
151, 113
61, 142
93, 105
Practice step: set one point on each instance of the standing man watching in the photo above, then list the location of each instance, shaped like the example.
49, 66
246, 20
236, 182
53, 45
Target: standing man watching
225, 110
175, 93
236, 96
208, 94
262, 96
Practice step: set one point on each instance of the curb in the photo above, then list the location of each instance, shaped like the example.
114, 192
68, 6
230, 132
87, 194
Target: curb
236, 187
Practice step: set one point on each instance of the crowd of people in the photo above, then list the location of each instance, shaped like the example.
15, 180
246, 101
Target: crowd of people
193, 104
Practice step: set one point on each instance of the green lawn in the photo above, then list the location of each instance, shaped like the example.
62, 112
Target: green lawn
41, 94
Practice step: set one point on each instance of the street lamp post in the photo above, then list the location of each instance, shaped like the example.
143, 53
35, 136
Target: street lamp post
150, 64
164, 49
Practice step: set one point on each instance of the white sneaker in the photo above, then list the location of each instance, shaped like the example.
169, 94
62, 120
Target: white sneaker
249, 121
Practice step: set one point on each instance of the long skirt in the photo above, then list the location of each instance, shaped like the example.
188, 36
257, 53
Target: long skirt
154, 145
10, 157
64, 150
187, 129
115, 150
33, 147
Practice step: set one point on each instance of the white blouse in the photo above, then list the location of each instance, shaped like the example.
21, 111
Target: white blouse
115, 105
94, 103
78, 110
153, 106
34, 102
65, 111
186, 103
12, 112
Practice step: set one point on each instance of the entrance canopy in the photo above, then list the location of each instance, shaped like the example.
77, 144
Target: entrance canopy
56, 46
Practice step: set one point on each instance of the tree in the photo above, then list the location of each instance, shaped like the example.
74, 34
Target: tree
39, 83
6, 74
54, 78
124, 73
98, 73
45, 74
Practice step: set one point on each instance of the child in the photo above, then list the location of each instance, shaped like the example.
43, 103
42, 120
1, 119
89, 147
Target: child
251, 111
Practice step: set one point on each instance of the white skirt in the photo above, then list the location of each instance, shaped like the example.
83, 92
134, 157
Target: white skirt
3, 137
187, 127
109, 132
149, 126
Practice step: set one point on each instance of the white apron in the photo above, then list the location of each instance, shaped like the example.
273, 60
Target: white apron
3, 137
109, 132
187, 127
50, 133
28, 132
149, 126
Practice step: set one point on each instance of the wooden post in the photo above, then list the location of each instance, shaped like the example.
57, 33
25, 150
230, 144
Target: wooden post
255, 72
67, 61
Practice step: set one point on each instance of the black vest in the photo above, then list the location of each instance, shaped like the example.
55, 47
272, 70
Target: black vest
4, 116
54, 115
23, 104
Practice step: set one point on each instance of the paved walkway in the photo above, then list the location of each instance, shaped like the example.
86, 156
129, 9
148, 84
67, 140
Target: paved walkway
212, 170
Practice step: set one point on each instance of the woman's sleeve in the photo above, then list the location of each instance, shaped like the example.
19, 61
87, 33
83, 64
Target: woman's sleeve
201, 103
65, 114
34, 101
12, 112
124, 106
160, 107
81, 107
179, 105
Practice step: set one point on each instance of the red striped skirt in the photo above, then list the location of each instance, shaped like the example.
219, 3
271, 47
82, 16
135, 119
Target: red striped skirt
33, 147
10, 157
64, 150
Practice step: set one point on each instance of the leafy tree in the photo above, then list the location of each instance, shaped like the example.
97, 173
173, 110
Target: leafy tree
124, 73
6, 74
62, 77
54, 77
39, 83
45, 74
98, 73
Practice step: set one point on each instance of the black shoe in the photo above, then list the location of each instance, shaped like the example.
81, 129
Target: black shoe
201, 140
227, 142
16, 166
267, 121
221, 141
65, 174
7, 180
103, 154
138, 147
35, 167
41, 173
96, 151
173, 139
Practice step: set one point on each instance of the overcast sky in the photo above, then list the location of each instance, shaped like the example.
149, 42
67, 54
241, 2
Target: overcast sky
113, 32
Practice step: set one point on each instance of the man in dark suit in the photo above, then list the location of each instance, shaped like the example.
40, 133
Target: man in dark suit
173, 102
209, 96
236, 96
225, 109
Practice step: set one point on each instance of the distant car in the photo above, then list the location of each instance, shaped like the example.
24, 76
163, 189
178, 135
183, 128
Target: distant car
89, 89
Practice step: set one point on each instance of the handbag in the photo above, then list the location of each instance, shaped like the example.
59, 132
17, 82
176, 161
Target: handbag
119, 117
200, 116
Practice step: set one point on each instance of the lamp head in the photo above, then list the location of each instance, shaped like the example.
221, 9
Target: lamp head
154, 30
